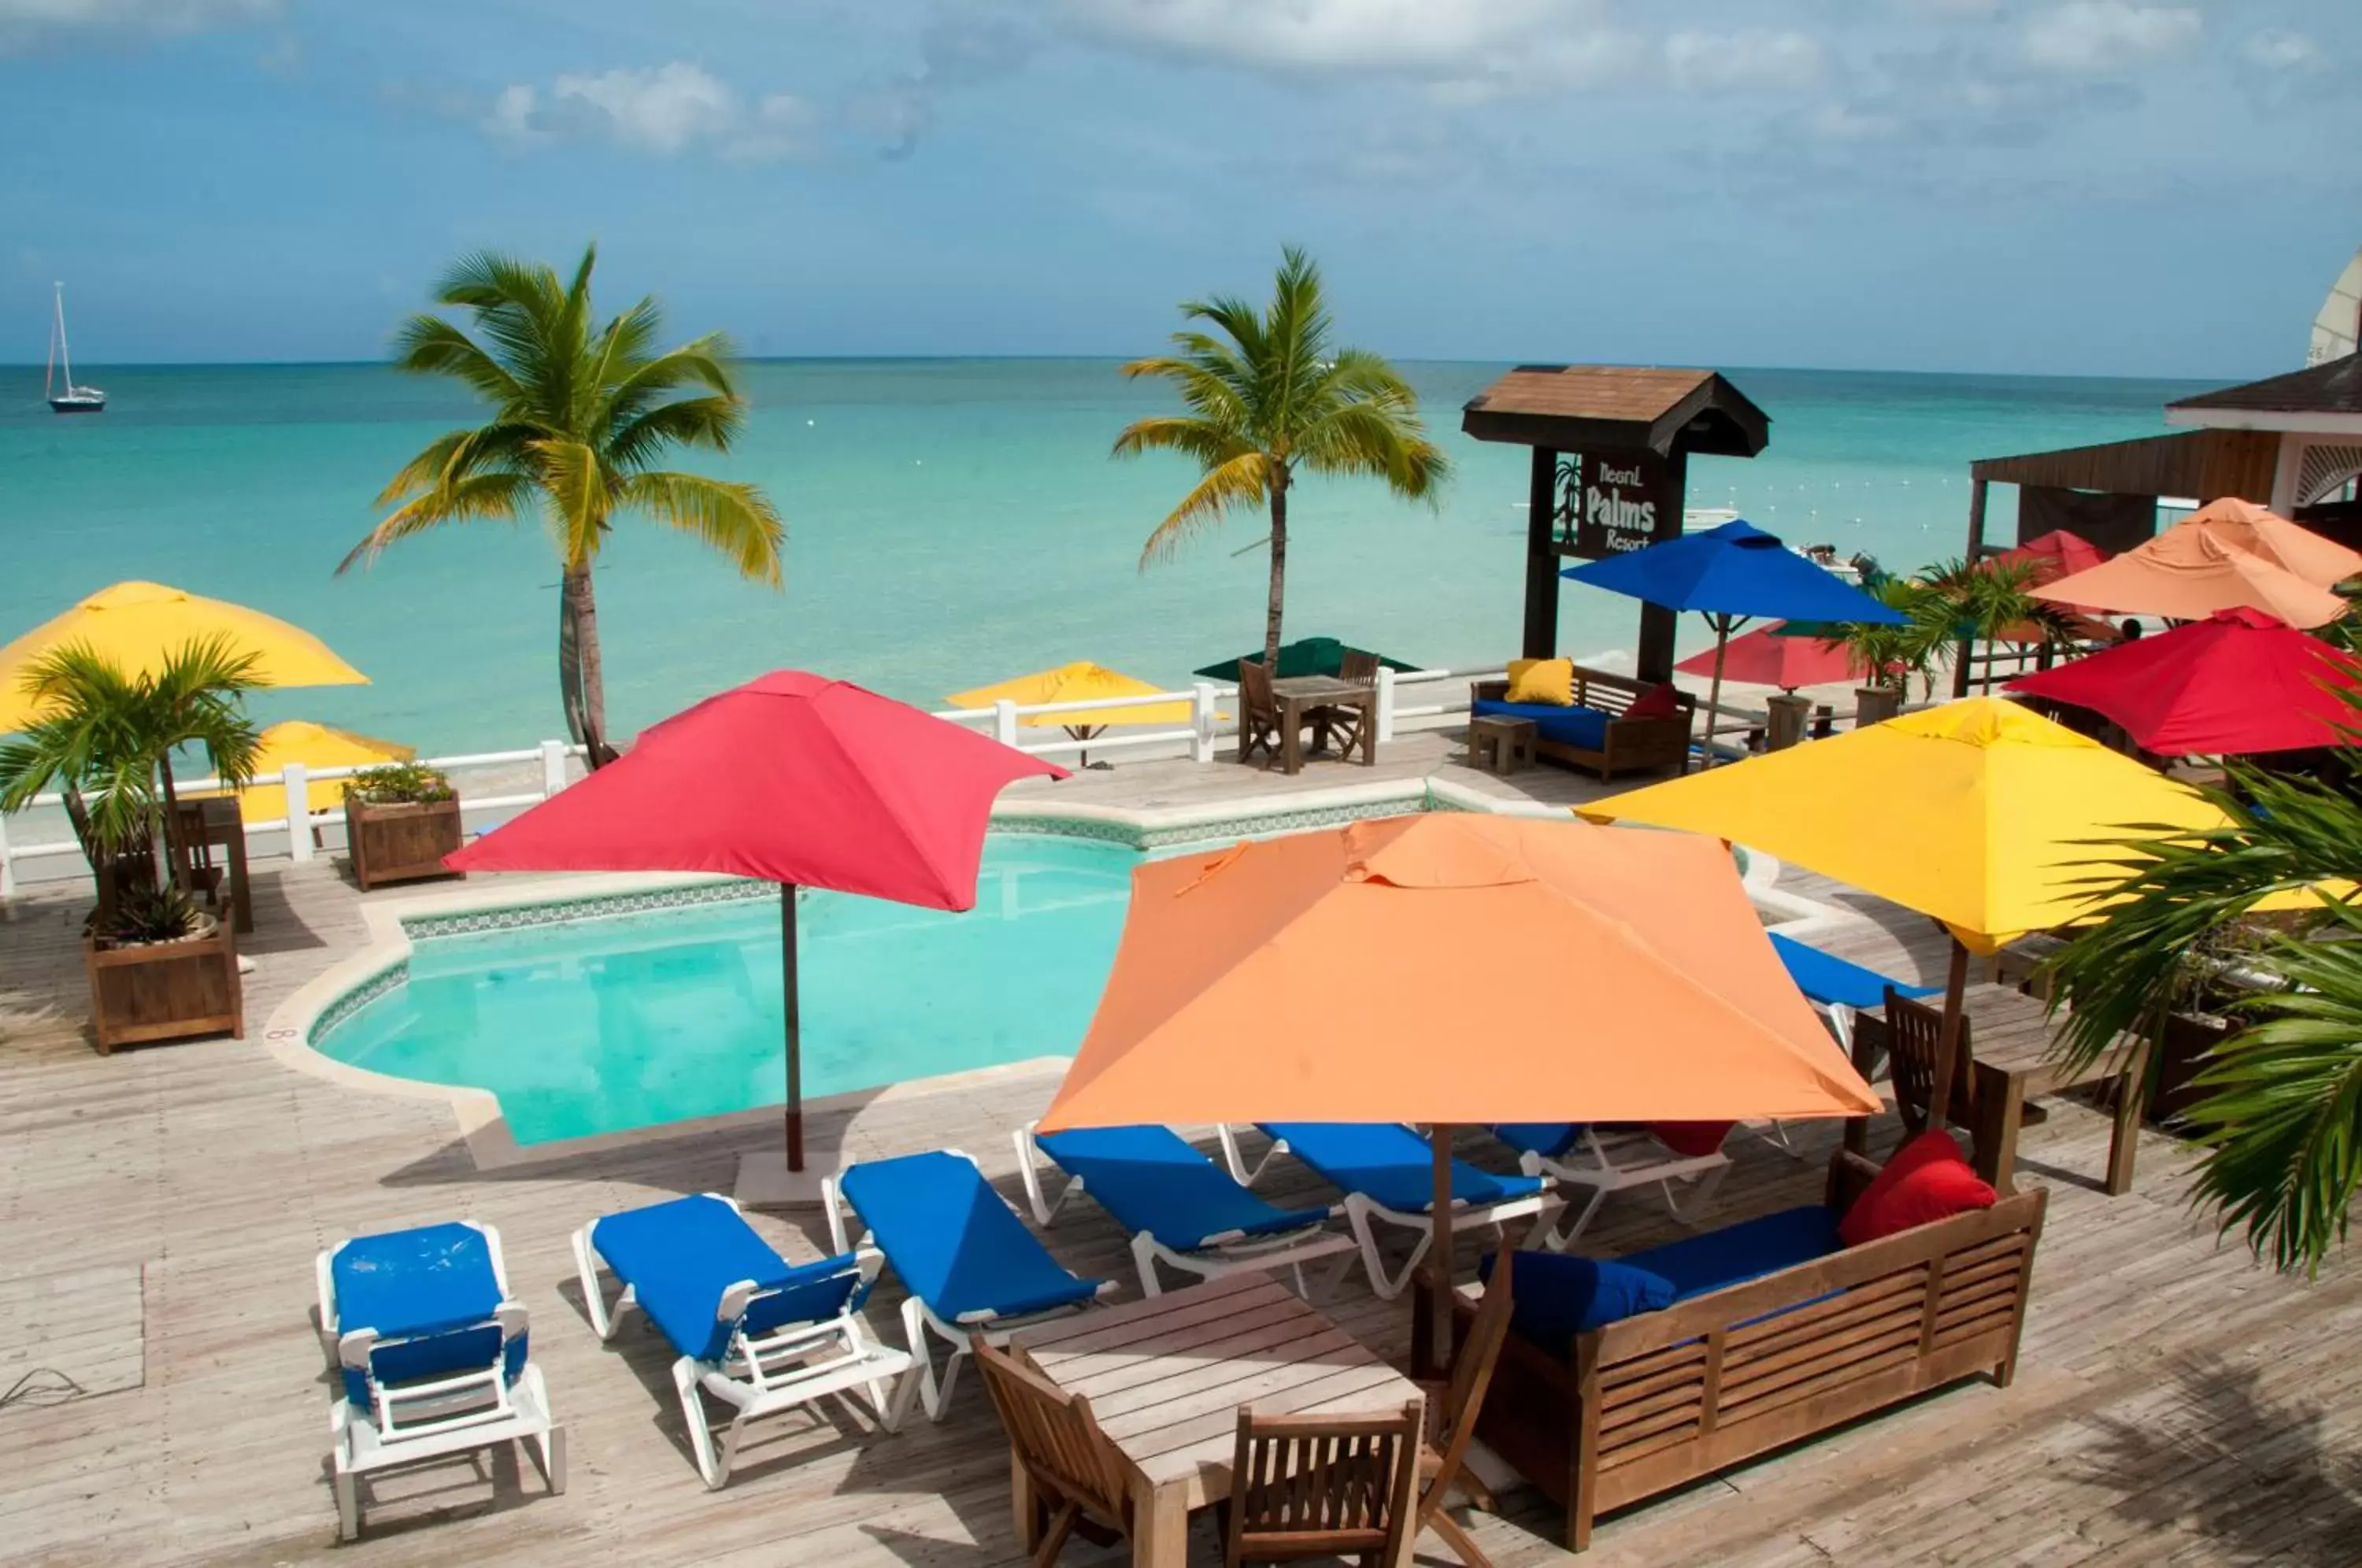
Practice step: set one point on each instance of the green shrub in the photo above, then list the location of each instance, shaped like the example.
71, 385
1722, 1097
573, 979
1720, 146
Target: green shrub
150, 914
400, 783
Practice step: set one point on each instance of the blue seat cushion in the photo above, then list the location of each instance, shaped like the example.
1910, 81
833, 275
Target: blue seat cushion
954, 1241
1748, 1250
680, 1256
1835, 982
1154, 1182
1390, 1165
432, 1288
1560, 1295
1547, 1138
1586, 729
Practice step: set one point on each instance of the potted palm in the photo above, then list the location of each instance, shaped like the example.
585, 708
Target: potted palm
158, 967
1888, 655
400, 821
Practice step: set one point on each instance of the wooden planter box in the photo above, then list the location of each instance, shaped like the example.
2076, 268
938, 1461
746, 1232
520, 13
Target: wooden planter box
401, 843
164, 991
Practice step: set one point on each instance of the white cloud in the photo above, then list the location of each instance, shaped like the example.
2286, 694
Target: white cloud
1432, 40
2093, 36
1749, 58
25, 24
2279, 50
666, 110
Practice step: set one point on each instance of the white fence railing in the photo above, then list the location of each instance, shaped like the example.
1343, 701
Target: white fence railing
1401, 695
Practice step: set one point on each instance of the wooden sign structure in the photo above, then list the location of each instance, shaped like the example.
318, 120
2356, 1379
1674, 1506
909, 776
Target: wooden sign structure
1610, 467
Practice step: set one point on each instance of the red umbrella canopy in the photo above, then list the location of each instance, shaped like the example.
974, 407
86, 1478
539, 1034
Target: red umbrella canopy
2238, 681
792, 778
1765, 658
2056, 555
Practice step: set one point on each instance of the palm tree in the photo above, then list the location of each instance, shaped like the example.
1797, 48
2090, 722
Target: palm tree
108, 739
580, 413
1986, 602
2280, 1113
1274, 401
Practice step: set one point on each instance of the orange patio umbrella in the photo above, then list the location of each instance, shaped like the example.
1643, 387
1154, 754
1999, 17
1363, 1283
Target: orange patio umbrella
1451, 968
2228, 554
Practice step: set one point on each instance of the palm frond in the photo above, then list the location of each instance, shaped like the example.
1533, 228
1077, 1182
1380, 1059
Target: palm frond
1210, 443
430, 345
736, 520
493, 497
1243, 481
577, 499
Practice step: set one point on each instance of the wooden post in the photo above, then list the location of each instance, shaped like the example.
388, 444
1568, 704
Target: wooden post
794, 1027
297, 786
1966, 648
1439, 1247
1654, 661
1540, 640
1955, 984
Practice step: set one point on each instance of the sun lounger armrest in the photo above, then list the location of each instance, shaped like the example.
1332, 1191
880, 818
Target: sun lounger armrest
1849, 1175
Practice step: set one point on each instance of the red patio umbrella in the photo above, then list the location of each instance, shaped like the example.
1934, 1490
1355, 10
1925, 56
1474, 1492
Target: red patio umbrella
2238, 681
2055, 555
791, 778
1766, 656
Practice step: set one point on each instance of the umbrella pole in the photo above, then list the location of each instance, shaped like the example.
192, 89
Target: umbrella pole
1439, 1247
1948, 1052
1722, 625
794, 1027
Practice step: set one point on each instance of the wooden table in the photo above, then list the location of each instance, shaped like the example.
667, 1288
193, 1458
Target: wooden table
1165, 1377
1298, 695
210, 821
2009, 1037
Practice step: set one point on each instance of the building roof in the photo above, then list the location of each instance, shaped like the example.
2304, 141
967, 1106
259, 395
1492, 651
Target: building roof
2326, 398
2205, 464
1581, 408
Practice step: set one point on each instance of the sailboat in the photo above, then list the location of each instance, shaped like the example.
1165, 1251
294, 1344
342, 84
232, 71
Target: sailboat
66, 398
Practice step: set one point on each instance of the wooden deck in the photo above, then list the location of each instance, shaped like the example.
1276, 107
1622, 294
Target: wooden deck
160, 1209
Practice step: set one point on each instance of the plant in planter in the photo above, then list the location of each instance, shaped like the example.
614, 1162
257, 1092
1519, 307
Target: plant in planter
105, 741
400, 821
1888, 655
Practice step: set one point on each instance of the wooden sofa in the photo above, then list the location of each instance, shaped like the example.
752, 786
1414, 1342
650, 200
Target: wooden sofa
1662, 1398
1632, 746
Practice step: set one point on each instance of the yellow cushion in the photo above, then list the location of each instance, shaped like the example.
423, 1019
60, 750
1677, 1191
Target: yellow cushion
1547, 680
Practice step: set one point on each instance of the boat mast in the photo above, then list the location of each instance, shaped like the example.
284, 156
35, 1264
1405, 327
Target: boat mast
64, 353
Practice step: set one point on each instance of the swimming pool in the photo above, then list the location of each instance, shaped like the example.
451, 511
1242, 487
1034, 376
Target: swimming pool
585, 1026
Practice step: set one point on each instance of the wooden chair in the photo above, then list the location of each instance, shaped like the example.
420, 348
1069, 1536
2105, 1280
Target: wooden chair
1452, 1409
1345, 724
1258, 712
1080, 1484
1304, 1486
1914, 1043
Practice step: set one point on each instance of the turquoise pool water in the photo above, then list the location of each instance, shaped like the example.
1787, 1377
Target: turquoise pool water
601, 1024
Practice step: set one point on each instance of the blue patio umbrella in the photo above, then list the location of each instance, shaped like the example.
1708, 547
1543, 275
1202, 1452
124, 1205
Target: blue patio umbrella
1732, 574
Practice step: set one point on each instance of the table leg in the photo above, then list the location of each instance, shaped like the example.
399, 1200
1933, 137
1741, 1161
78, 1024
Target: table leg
1291, 737
1024, 1507
241, 894
2124, 1143
2000, 1111
1160, 1526
1370, 732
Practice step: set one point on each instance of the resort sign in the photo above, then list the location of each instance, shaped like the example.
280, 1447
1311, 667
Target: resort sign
1610, 504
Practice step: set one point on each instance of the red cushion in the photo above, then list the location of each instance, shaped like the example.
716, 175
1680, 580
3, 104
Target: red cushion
1926, 1181
1656, 702
1692, 1138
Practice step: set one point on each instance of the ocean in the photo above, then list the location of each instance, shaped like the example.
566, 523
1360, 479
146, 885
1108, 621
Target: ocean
951, 522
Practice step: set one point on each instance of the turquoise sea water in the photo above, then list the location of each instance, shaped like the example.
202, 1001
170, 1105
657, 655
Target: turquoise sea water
951, 522
598, 1025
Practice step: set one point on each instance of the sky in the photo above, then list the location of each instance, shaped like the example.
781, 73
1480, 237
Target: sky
2110, 187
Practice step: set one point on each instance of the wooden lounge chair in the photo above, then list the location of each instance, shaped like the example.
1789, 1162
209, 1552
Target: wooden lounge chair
1610, 741
1452, 1409
1079, 1483
1320, 1486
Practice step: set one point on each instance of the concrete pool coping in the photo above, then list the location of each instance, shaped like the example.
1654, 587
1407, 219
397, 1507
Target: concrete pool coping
383, 962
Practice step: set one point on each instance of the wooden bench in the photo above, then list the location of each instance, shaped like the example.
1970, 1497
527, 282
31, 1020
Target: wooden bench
1632, 746
1662, 1399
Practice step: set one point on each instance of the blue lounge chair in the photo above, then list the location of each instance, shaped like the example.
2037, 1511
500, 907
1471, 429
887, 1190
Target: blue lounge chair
760, 1334
430, 1354
1839, 988
1610, 1160
1387, 1172
1178, 1205
970, 1265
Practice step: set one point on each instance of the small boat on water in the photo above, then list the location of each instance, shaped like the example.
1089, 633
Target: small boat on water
64, 395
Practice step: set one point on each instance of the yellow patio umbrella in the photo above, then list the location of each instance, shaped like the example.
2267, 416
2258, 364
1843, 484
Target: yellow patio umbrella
316, 746
139, 626
1979, 813
1081, 682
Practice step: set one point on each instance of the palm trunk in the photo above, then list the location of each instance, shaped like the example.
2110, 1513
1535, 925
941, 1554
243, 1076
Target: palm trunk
583, 686
1278, 575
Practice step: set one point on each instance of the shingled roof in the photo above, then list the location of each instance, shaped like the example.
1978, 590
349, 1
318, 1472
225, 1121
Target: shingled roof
2333, 389
1578, 408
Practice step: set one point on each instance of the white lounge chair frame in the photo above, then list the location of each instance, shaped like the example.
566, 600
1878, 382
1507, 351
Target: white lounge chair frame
794, 1365
1616, 1161
1231, 1252
1361, 1209
418, 1422
918, 1319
